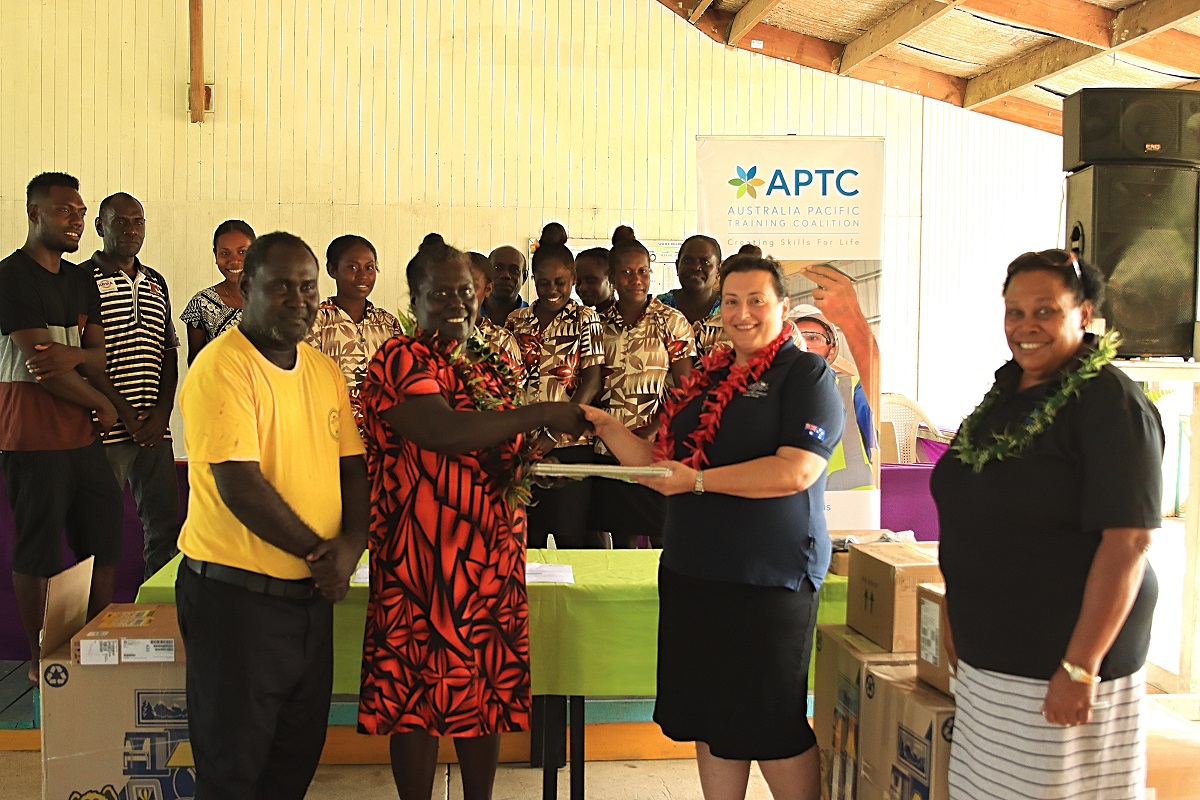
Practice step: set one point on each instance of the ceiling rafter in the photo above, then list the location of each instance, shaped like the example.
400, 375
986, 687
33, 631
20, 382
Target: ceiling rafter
1151, 16
1084, 32
698, 10
1067, 19
903, 22
749, 16
1027, 70
1171, 48
1025, 112
1130, 25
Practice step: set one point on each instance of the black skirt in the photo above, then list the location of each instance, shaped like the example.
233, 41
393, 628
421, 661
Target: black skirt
733, 666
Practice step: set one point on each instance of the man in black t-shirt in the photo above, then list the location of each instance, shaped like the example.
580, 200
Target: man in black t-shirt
51, 339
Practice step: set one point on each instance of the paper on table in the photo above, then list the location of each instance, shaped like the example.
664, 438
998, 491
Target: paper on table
361, 575
536, 572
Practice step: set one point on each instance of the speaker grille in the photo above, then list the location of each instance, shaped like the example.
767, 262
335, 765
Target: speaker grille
1115, 126
1138, 225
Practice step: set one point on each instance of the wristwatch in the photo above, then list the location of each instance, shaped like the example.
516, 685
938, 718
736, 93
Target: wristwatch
698, 486
1079, 674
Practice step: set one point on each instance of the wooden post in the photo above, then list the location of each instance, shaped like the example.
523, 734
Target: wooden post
196, 52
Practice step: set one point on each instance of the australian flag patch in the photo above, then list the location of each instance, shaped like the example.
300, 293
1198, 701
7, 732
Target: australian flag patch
815, 431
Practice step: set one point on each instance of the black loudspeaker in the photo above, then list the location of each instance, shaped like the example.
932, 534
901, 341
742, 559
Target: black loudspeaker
1139, 126
1138, 225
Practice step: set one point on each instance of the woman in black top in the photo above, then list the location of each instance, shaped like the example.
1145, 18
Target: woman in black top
1047, 503
747, 437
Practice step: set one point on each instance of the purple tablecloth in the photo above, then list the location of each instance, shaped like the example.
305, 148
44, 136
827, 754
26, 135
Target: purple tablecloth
904, 500
129, 573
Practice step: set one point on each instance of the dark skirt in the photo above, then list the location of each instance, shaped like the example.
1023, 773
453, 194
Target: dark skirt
733, 666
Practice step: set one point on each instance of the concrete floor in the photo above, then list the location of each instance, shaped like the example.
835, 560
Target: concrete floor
21, 777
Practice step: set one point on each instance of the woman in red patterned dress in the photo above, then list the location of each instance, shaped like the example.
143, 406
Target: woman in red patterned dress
446, 650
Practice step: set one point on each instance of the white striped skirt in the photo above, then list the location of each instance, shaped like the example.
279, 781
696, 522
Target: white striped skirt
1004, 748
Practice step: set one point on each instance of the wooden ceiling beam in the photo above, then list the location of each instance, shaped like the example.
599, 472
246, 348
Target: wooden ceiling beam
1025, 112
809, 51
750, 15
1151, 16
1170, 48
900, 24
888, 72
795, 48
698, 10
1067, 19
1084, 22
1134, 23
1039, 65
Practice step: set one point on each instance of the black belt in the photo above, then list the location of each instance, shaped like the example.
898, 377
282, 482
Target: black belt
254, 581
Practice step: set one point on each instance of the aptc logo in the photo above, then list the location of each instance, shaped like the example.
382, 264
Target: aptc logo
746, 182
827, 179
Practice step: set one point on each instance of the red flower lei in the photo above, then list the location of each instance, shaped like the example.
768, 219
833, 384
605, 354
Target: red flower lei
718, 398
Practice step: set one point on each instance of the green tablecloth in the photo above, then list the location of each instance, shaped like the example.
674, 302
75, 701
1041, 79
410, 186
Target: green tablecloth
596, 637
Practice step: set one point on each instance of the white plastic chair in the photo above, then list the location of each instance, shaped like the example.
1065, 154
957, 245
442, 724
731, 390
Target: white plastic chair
906, 417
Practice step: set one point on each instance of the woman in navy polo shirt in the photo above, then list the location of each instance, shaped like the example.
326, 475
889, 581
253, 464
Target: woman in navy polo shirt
747, 436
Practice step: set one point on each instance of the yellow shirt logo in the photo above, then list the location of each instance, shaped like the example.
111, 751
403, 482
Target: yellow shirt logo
335, 426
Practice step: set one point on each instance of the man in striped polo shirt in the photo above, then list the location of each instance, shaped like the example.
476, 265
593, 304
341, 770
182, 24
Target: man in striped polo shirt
140, 358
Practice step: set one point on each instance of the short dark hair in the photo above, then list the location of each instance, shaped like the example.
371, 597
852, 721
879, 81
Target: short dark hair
708, 240
558, 253
338, 247
429, 254
260, 248
112, 198
598, 253
231, 226
483, 265
739, 263
1085, 281
432, 239
39, 187
750, 249
623, 248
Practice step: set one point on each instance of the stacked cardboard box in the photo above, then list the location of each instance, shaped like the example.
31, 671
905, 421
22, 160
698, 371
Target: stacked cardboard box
114, 709
933, 663
882, 733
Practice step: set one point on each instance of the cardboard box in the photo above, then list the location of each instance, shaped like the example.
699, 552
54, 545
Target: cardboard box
842, 659
113, 707
933, 663
905, 751
839, 564
129, 633
881, 598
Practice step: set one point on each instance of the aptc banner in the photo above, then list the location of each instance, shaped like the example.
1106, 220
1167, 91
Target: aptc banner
797, 197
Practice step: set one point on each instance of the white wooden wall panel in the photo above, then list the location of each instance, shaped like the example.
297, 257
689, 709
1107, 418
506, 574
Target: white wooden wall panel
483, 120
998, 197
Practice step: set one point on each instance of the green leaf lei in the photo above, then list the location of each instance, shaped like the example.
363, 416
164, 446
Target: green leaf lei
1012, 444
511, 459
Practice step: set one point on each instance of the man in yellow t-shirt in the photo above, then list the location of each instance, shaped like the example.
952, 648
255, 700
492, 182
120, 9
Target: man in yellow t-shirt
277, 520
